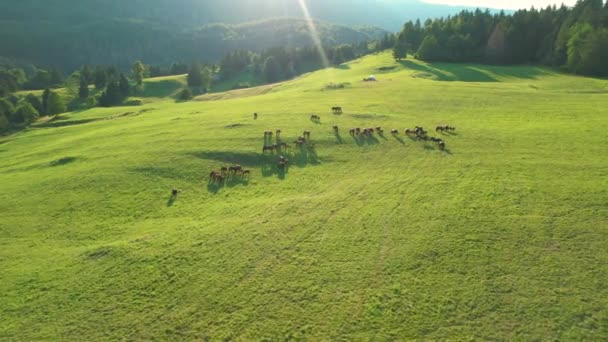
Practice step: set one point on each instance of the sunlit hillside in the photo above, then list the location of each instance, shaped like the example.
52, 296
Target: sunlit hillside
501, 236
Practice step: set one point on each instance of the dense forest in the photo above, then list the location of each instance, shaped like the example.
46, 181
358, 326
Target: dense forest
119, 43
573, 38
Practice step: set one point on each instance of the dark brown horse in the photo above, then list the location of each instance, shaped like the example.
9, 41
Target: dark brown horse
235, 168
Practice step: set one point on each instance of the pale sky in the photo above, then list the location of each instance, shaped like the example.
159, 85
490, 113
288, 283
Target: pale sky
503, 4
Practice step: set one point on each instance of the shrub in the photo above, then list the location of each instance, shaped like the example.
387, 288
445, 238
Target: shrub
241, 85
184, 95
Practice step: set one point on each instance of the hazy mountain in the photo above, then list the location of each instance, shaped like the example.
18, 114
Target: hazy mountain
69, 33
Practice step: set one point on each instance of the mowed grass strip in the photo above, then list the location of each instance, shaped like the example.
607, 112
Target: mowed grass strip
501, 237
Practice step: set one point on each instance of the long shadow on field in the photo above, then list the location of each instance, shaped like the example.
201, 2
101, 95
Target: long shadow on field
473, 73
363, 140
398, 138
268, 163
171, 201
339, 139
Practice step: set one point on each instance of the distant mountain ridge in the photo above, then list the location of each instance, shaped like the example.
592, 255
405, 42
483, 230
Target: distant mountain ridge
70, 33
386, 14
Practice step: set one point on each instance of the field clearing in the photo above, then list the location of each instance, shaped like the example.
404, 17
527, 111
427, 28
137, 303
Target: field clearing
502, 237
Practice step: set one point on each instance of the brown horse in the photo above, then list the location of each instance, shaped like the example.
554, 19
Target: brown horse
235, 168
352, 131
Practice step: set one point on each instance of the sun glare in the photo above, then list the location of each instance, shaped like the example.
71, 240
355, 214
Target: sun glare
314, 34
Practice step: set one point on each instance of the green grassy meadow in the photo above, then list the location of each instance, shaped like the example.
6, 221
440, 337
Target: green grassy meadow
504, 236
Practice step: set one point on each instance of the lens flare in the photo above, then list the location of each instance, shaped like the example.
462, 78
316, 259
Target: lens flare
314, 34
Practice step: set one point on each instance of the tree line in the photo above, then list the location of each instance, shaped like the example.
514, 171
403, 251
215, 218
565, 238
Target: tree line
575, 38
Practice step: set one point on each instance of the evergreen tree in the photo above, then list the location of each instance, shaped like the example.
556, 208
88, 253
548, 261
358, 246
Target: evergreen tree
101, 78
195, 77
137, 71
178, 69
6, 108
400, 49
88, 75
4, 123
111, 96
206, 78
272, 70
429, 49
45, 101
56, 78
123, 87
55, 104
35, 102
25, 114
83, 91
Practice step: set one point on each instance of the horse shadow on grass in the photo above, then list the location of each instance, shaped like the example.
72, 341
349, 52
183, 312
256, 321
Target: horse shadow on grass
362, 140
399, 139
171, 201
339, 139
267, 163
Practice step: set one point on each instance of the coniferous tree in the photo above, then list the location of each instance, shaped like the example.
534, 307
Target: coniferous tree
4, 122
272, 70
400, 49
55, 104
195, 77
123, 87
35, 102
83, 90
45, 101
101, 78
25, 114
88, 74
137, 71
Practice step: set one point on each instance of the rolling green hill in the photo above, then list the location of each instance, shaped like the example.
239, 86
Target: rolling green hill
501, 237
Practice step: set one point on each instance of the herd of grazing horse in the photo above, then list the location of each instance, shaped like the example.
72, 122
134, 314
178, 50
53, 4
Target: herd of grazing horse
228, 171
225, 172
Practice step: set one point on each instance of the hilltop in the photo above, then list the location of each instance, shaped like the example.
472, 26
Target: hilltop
499, 237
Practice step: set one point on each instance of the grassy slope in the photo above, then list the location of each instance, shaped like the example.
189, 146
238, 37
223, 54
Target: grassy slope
504, 237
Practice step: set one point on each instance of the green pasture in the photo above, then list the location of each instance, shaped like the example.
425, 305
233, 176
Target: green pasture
503, 236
